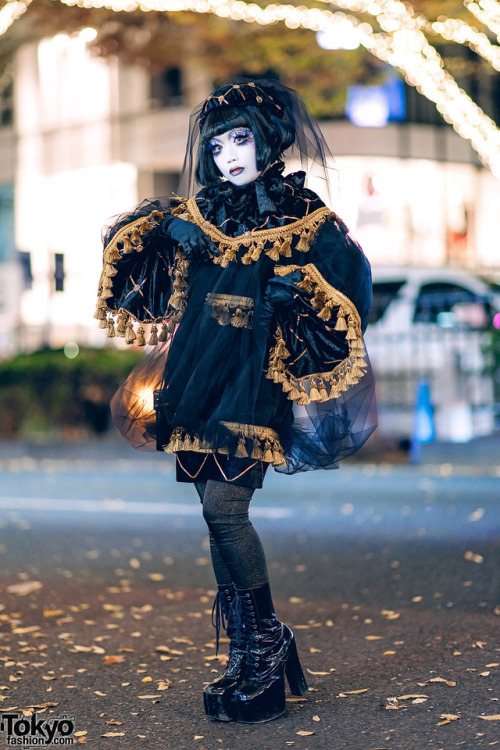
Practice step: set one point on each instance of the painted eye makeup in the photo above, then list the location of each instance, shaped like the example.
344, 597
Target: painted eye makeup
242, 136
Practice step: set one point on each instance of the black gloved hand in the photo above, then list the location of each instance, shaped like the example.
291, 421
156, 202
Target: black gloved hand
279, 295
194, 241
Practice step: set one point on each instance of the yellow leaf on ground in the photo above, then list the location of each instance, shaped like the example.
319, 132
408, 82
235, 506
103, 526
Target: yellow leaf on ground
52, 612
303, 733
373, 637
492, 717
148, 697
450, 683
410, 696
321, 674
353, 692
113, 734
113, 659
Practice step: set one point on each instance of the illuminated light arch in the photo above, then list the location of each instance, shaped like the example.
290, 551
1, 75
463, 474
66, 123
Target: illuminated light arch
403, 45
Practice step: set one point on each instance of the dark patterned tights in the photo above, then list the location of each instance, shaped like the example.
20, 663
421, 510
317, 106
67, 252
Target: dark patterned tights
237, 553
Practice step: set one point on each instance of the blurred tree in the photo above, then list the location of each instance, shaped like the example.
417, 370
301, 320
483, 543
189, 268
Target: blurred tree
157, 41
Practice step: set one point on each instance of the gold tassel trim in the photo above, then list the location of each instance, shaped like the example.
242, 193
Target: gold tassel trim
314, 387
252, 244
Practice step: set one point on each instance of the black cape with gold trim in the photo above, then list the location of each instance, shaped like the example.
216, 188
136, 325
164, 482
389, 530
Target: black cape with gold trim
297, 393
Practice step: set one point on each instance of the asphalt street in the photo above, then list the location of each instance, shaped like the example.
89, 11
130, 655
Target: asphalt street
388, 573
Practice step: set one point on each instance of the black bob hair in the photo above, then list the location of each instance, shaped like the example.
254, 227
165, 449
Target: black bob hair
272, 136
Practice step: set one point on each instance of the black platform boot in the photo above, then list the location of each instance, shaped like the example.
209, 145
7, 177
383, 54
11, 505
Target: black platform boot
271, 653
216, 696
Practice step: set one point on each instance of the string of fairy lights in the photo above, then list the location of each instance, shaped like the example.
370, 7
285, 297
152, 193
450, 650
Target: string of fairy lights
488, 12
401, 42
10, 12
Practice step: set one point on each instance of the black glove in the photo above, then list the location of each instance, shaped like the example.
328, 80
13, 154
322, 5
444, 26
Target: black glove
194, 241
279, 294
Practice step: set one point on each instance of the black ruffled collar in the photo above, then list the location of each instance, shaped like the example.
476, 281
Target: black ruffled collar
269, 201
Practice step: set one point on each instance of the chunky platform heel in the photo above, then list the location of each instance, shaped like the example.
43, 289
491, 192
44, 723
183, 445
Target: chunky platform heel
216, 696
271, 653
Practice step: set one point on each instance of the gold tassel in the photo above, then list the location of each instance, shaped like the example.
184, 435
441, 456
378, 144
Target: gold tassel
179, 282
268, 454
107, 283
323, 393
303, 399
349, 379
335, 390
286, 386
314, 394
326, 312
340, 325
100, 314
286, 249
278, 458
153, 336
129, 333
176, 300
141, 339
241, 450
196, 446
351, 334
103, 323
176, 442
163, 334
356, 372
122, 324
274, 251
157, 216
106, 293
318, 300
360, 362
278, 377
145, 227
294, 393
281, 350
111, 254
231, 253
303, 243
135, 237
171, 325
306, 284
110, 270
247, 258
257, 250
127, 245
257, 450
111, 329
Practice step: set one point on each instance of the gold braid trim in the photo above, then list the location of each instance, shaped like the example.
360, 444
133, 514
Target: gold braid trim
260, 443
231, 309
119, 322
275, 242
320, 386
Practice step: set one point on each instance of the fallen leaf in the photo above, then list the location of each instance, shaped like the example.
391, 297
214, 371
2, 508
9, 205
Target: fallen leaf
492, 717
472, 557
352, 692
448, 718
167, 650
321, 674
148, 697
388, 653
493, 664
296, 700
80, 734
164, 684
24, 588
420, 700
411, 696
147, 679
52, 612
373, 637
450, 683
484, 674
98, 692
303, 733
113, 659
113, 734
316, 718
198, 736
392, 703
113, 721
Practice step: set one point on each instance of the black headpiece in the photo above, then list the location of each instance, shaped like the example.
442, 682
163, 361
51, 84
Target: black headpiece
240, 95
284, 106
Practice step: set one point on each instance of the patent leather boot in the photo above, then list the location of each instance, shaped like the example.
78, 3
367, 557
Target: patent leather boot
216, 695
271, 654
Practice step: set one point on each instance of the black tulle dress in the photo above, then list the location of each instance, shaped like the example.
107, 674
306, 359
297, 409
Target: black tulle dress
227, 387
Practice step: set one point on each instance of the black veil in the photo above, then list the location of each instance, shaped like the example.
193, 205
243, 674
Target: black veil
309, 148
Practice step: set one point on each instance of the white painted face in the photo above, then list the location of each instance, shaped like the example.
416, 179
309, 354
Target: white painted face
234, 155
